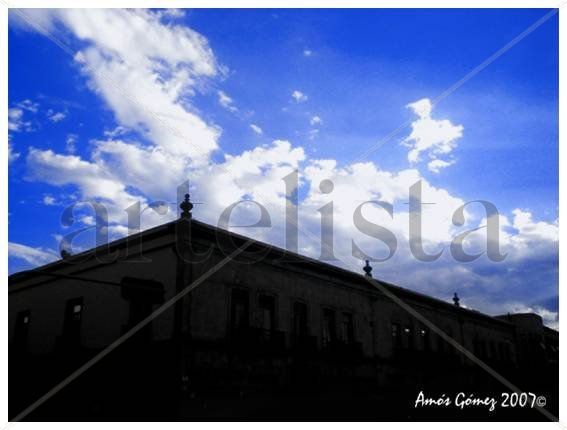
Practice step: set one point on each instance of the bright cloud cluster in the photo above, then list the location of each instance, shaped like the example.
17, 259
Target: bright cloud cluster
431, 136
55, 116
256, 129
299, 97
33, 256
315, 120
226, 102
16, 121
147, 69
12, 155
550, 319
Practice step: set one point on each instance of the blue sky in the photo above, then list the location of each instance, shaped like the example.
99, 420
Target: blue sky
261, 92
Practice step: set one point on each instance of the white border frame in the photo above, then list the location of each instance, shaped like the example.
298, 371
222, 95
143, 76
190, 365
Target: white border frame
540, 4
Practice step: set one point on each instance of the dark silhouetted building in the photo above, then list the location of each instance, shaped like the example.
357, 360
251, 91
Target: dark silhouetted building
267, 334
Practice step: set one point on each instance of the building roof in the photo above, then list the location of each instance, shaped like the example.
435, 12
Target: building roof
204, 230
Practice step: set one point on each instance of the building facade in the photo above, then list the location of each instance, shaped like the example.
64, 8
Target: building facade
264, 334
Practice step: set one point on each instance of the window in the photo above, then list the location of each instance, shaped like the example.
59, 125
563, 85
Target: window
267, 313
408, 337
21, 330
347, 328
239, 309
73, 318
141, 294
329, 327
300, 319
396, 336
424, 338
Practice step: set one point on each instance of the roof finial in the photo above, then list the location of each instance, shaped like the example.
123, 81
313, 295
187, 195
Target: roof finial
368, 269
186, 207
456, 300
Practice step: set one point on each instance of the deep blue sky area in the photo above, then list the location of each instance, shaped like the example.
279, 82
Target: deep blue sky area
370, 63
354, 72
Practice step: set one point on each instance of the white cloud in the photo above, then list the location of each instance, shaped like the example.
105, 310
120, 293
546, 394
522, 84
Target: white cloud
550, 318
138, 166
362, 182
307, 52
436, 165
531, 230
28, 105
146, 39
256, 129
158, 66
422, 108
524, 238
117, 231
55, 116
313, 134
12, 155
428, 135
260, 160
49, 200
146, 71
16, 122
32, 256
70, 143
93, 179
255, 174
171, 13
116, 132
299, 97
315, 120
226, 102
14, 119
88, 220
